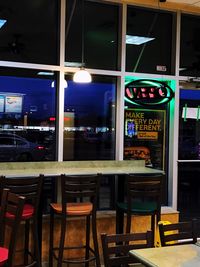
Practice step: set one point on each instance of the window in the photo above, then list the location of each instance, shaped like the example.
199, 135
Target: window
190, 49
189, 124
27, 115
89, 119
29, 27
149, 41
100, 34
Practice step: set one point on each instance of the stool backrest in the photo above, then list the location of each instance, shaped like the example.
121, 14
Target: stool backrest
10, 214
144, 188
29, 187
178, 233
80, 188
116, 247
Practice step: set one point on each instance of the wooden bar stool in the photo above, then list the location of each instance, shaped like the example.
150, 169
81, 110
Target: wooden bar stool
12, 205
143, 198
79, 198
30, 188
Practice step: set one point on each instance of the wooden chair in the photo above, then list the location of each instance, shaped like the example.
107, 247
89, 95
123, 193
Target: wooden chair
79, 198
116, 247
30, 188
10, 215
178, 233
143, 198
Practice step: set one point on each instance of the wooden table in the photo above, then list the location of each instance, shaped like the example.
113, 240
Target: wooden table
171, 256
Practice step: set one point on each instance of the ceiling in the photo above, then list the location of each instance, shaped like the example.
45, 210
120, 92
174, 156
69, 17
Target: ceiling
194, 3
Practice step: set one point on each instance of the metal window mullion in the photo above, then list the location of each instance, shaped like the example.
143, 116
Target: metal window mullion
120, 92
60, 87
174, 174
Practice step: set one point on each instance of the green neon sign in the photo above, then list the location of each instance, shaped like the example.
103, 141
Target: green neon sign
145, 92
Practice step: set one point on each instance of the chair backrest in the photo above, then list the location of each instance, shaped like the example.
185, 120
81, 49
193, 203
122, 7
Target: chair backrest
80, 188
116, 247
144, 188
29, 187
178, 233
10, 214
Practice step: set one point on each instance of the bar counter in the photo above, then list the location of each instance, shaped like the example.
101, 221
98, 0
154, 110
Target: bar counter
106, 167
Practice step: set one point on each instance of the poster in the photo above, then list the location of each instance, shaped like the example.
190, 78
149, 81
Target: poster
144, 136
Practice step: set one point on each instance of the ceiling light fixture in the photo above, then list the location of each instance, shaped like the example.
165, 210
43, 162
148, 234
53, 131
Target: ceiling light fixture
2, 22
137, 40
82, 75
64, 84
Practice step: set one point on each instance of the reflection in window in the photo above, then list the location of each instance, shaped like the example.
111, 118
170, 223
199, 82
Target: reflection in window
189, 124
148, 41
190, 49
89, 120
30, 32
100, 34
27, 117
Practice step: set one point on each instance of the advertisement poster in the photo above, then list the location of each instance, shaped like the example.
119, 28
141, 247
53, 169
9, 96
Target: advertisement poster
13, 104
144, 136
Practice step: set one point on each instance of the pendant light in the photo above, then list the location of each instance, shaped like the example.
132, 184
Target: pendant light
82, 75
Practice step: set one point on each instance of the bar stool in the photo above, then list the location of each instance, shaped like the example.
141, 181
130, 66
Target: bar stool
143, 198
13, 205
79, 198
30, 188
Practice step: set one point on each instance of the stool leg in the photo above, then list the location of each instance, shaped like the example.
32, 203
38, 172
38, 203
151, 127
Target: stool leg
36, 242
62, 240
51, 239
95, 240
26, 242
153, 227
119, 221
87, 251
128, 223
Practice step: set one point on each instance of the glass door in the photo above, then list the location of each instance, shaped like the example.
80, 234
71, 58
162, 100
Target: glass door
189, 151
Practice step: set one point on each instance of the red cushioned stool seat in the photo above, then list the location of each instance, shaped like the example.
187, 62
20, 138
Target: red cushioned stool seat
3, 256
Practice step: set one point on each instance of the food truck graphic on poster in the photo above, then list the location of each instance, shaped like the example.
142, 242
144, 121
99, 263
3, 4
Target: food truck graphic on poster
145, 136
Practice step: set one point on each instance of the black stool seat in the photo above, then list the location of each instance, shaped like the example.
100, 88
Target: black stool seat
79, 198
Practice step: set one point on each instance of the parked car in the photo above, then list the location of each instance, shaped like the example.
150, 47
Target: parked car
16, 148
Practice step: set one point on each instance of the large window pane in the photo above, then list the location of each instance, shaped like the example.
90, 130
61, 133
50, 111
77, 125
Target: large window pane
100, 34
27, 116
190, 49
30, 31
152, 55
89, 119
189, 124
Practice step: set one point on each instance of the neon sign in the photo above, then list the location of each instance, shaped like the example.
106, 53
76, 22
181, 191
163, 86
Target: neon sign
148, 92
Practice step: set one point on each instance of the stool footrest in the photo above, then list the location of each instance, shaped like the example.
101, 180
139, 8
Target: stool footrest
74, 247
75, 261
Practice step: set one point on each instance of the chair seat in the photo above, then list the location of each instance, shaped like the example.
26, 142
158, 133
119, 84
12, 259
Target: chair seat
139, 207
3, 255
74, 209
28, 212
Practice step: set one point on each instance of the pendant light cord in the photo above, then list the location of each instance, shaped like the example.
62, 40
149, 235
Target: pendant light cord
82, 35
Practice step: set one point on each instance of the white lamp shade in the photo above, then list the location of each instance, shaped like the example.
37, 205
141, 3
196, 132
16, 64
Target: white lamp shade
82, 76
65, 84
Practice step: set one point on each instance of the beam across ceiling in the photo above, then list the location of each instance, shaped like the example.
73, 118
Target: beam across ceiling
173, 5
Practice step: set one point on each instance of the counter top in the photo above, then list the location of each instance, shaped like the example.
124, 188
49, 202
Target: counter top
75, 168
